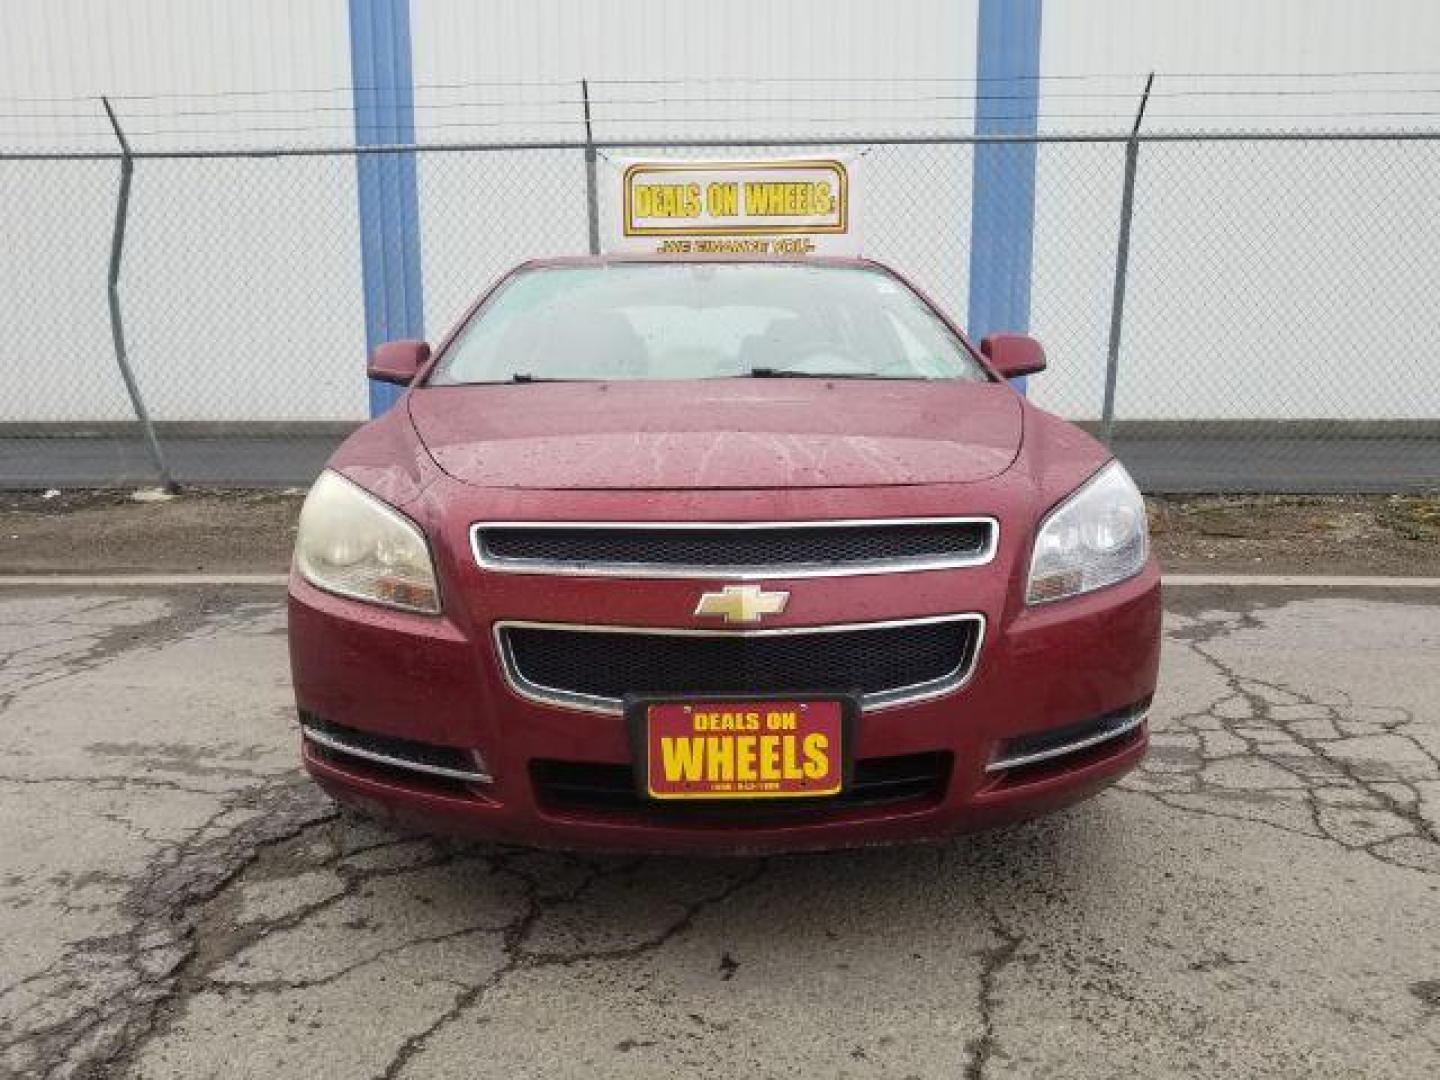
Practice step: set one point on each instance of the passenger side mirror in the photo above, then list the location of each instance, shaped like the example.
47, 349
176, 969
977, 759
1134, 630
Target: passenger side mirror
1013, 355
398, 361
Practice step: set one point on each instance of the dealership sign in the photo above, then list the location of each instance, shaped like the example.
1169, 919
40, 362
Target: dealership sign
772, 207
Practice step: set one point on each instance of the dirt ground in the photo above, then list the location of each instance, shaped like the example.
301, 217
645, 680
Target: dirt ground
227, 531
1298, 534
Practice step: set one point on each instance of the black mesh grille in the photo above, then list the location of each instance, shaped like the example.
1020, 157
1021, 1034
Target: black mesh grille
578, 785
736, 548
610, 665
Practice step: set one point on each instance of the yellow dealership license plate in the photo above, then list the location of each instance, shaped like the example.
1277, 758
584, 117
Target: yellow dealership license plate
745, 748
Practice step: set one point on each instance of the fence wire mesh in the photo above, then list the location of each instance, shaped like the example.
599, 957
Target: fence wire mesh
1278, 330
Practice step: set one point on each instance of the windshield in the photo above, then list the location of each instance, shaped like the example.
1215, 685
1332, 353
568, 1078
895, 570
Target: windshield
703, 321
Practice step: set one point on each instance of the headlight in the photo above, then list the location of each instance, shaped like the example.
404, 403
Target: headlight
351, 543
1096, 537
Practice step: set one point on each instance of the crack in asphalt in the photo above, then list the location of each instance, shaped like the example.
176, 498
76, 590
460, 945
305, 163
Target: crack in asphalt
232, 941
216, 940
81, 1012
519, 958
184, 910
1313, 754
104, 782
993, 962
100, 1036
108, 627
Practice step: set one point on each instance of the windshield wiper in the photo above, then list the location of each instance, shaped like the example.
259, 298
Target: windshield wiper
796, 373
526, 377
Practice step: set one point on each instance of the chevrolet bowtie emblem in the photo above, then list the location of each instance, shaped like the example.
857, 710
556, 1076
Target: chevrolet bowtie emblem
741, 603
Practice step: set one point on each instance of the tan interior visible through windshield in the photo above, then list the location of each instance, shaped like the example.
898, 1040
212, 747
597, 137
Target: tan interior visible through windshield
703, 321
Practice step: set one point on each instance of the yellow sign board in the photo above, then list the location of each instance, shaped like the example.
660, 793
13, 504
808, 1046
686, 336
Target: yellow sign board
775, 207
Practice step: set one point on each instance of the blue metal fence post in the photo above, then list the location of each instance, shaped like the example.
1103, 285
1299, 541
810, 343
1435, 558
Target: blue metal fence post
384, 101
1002, 209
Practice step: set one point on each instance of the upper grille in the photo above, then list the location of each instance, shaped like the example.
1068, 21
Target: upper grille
595, 667
736, 550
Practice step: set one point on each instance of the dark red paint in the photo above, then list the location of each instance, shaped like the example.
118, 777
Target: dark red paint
1013, 355
449, 457
398, 361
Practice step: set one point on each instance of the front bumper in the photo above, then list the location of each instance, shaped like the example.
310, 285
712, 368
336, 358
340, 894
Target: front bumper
439, 682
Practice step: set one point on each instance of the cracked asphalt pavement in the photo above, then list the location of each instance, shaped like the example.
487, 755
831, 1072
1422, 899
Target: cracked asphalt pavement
1261, 899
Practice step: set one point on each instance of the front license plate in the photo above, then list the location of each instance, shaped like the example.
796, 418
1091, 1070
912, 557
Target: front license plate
744, 749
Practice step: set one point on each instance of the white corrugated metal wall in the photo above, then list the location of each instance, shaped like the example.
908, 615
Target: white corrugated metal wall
656, 69
1273, 280
241, 283
243, 292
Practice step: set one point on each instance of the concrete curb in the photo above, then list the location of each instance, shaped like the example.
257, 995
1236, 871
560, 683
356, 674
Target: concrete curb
1300, 581
116, 580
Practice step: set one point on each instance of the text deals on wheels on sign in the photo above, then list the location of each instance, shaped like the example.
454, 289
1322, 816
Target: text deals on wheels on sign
771, 207
743, 749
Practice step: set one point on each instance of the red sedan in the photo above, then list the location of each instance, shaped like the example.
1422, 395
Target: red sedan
718, 554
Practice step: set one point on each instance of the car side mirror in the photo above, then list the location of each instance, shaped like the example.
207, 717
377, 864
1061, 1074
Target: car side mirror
398, 361
1013, 355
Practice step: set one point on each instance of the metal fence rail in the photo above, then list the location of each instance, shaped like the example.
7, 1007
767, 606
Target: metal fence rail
1233, 311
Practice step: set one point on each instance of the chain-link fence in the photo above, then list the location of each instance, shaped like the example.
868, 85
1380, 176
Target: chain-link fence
1276, 329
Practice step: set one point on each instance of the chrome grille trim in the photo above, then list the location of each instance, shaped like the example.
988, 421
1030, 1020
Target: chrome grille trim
340, 746
903, 695
1123, 726
489, 561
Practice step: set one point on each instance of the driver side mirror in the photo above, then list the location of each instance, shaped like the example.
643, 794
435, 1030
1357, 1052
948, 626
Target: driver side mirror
1013, 355
398, 361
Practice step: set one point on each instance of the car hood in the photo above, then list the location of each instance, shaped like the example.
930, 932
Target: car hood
742, 433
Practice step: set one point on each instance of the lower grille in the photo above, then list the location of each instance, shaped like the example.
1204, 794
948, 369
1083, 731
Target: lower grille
594, 667
599, 788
